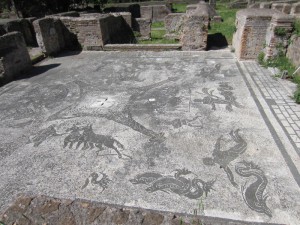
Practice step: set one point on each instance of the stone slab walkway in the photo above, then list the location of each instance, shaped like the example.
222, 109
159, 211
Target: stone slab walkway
181, 132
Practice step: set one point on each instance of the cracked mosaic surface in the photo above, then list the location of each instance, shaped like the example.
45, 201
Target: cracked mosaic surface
162, 131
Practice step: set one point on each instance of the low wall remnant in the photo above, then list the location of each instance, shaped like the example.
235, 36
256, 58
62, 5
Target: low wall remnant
293, 52
14, 57
87, 32
261, 30
195, 30
278, 35
173, 25
143, 26
251, 30
23, 26
156, 13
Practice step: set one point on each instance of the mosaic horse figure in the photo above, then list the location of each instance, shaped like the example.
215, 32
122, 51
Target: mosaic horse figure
88, 139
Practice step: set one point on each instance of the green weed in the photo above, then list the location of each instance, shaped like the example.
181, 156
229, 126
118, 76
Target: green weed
280, 31
227, 27
179, 7
157, 25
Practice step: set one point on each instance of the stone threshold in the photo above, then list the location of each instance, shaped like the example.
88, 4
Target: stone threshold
142, 47
29, 209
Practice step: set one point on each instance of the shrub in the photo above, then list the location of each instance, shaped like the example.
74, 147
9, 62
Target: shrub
261, 58
280, 31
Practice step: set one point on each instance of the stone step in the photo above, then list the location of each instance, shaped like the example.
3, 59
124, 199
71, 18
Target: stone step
142, 47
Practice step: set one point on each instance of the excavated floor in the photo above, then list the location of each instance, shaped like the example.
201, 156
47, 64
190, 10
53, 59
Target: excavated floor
183, 132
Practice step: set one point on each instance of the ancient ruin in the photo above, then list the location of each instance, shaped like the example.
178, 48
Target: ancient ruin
100, 124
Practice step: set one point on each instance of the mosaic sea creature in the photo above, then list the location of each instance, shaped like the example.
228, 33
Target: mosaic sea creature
223, 158
253, 194
178, 184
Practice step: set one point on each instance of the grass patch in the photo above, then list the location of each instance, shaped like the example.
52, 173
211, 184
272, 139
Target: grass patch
157, 25
283, 63
227, 27
157, 37
157, 34
179, 7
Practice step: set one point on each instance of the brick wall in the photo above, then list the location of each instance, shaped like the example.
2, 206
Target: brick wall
250, 36
261, 30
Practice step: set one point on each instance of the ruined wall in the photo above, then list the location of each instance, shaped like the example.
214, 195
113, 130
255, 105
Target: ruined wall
143, 26
278, 35
173, 25
82, 33
290, 7
67, 14
14, 57
134, 9
48, 36
195, 30
250, 36
293, 52
156, 13
115, 30
23, 26
87, 33
282, 7
126, 16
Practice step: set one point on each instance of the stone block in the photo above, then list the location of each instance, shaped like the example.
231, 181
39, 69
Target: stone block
159, 12
28, 32
238, 4
14, 57
254, 6
282, 7
23, 26
67, 14
115, 30
295, 8
191, 8
143, 26
146, 12
293, 52
2, 30
278, 34
195, 30
174, 22
47, 35
265, 5
202, 7
217, 19
126, 16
